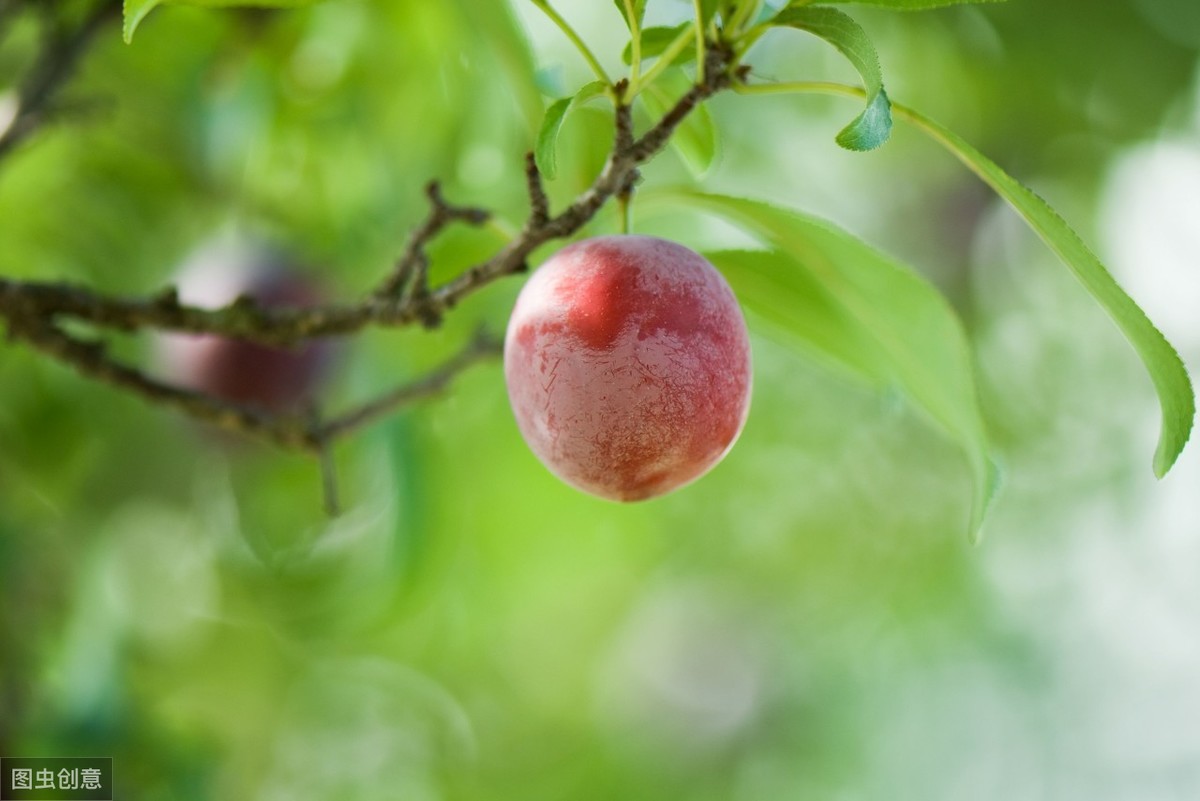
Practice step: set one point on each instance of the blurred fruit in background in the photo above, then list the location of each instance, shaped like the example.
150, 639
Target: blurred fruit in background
274, 379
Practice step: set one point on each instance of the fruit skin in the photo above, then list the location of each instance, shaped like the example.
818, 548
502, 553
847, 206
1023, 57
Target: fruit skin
627, 362
270, 379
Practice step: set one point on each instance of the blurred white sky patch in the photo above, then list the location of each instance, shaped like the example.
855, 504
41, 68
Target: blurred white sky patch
1093, 564
1102, 582
1150, 218
686, 673
598, 23
1108, 597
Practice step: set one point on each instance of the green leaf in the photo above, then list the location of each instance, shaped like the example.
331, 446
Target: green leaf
871, 128
695, 140
899, 5
785, 295
1166, 369
868, 313
136, 10
545, 151
769, 9
639, 11
708, 9
657, 39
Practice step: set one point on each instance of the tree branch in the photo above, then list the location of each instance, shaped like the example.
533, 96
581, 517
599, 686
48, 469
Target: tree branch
409, 279
33, 309
307, 432
539, 203
55, 64
482, 347
92, 360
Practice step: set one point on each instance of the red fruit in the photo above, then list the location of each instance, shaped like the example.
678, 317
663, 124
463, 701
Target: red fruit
246, 373
628, 366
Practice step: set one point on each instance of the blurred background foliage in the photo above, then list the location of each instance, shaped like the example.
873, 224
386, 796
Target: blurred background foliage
806, 622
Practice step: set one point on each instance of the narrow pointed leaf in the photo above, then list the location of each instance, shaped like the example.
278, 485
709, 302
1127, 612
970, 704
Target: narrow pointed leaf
1166, 369
657, 39
875, 316
545, 151
134, 12
871, 128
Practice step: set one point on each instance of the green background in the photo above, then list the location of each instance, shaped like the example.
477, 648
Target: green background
808, 621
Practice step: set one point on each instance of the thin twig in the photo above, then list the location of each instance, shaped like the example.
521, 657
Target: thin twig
623, 138
482, 347
539, 203
56, 62
304, 432
411, 272
717, 79
92, 360
613, 177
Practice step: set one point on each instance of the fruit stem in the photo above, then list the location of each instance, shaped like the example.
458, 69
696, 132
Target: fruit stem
635, 33
742, 14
